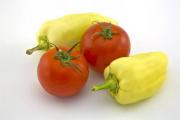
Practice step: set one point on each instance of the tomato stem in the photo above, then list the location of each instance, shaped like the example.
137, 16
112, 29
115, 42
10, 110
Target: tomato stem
65, 58
57, 49
71, 49
106, 32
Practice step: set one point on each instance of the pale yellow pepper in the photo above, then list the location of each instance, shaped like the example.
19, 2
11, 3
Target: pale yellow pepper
135, 78
66, 30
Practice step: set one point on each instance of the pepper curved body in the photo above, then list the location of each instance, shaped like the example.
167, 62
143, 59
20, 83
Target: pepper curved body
66, 30
135, 78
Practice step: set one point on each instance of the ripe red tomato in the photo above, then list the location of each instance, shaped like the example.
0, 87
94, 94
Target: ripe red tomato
104, 42
59, 78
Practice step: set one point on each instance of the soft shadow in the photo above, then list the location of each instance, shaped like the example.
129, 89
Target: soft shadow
85, 92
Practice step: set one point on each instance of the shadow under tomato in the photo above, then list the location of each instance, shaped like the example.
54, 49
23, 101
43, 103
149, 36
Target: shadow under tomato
94, 78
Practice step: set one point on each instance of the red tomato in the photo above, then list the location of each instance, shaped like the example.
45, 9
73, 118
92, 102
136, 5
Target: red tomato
104, 42
59, 79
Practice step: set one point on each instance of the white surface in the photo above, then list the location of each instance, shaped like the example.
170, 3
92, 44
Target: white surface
152, 25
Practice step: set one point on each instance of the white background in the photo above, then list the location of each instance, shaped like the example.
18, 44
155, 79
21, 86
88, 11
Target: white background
152, 25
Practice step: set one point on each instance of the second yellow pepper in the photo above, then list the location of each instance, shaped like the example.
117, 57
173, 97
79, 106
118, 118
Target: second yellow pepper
135, 78
66, 30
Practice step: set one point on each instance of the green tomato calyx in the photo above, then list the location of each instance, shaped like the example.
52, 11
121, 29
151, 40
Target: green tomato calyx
106, 31
65, 57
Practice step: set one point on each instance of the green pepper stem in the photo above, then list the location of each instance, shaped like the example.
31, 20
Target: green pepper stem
43, 44
109, 84
30, 51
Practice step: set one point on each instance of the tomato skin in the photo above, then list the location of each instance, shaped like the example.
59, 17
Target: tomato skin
61, 80
99, 52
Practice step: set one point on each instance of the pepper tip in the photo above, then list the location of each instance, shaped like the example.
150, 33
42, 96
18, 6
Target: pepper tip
28, 52
94, 88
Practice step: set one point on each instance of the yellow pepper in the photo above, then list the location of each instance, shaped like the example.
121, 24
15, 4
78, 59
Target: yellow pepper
135, 78
67, 30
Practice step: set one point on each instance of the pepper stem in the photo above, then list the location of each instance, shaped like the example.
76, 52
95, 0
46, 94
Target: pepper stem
111, 85
30, 51
44, 44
